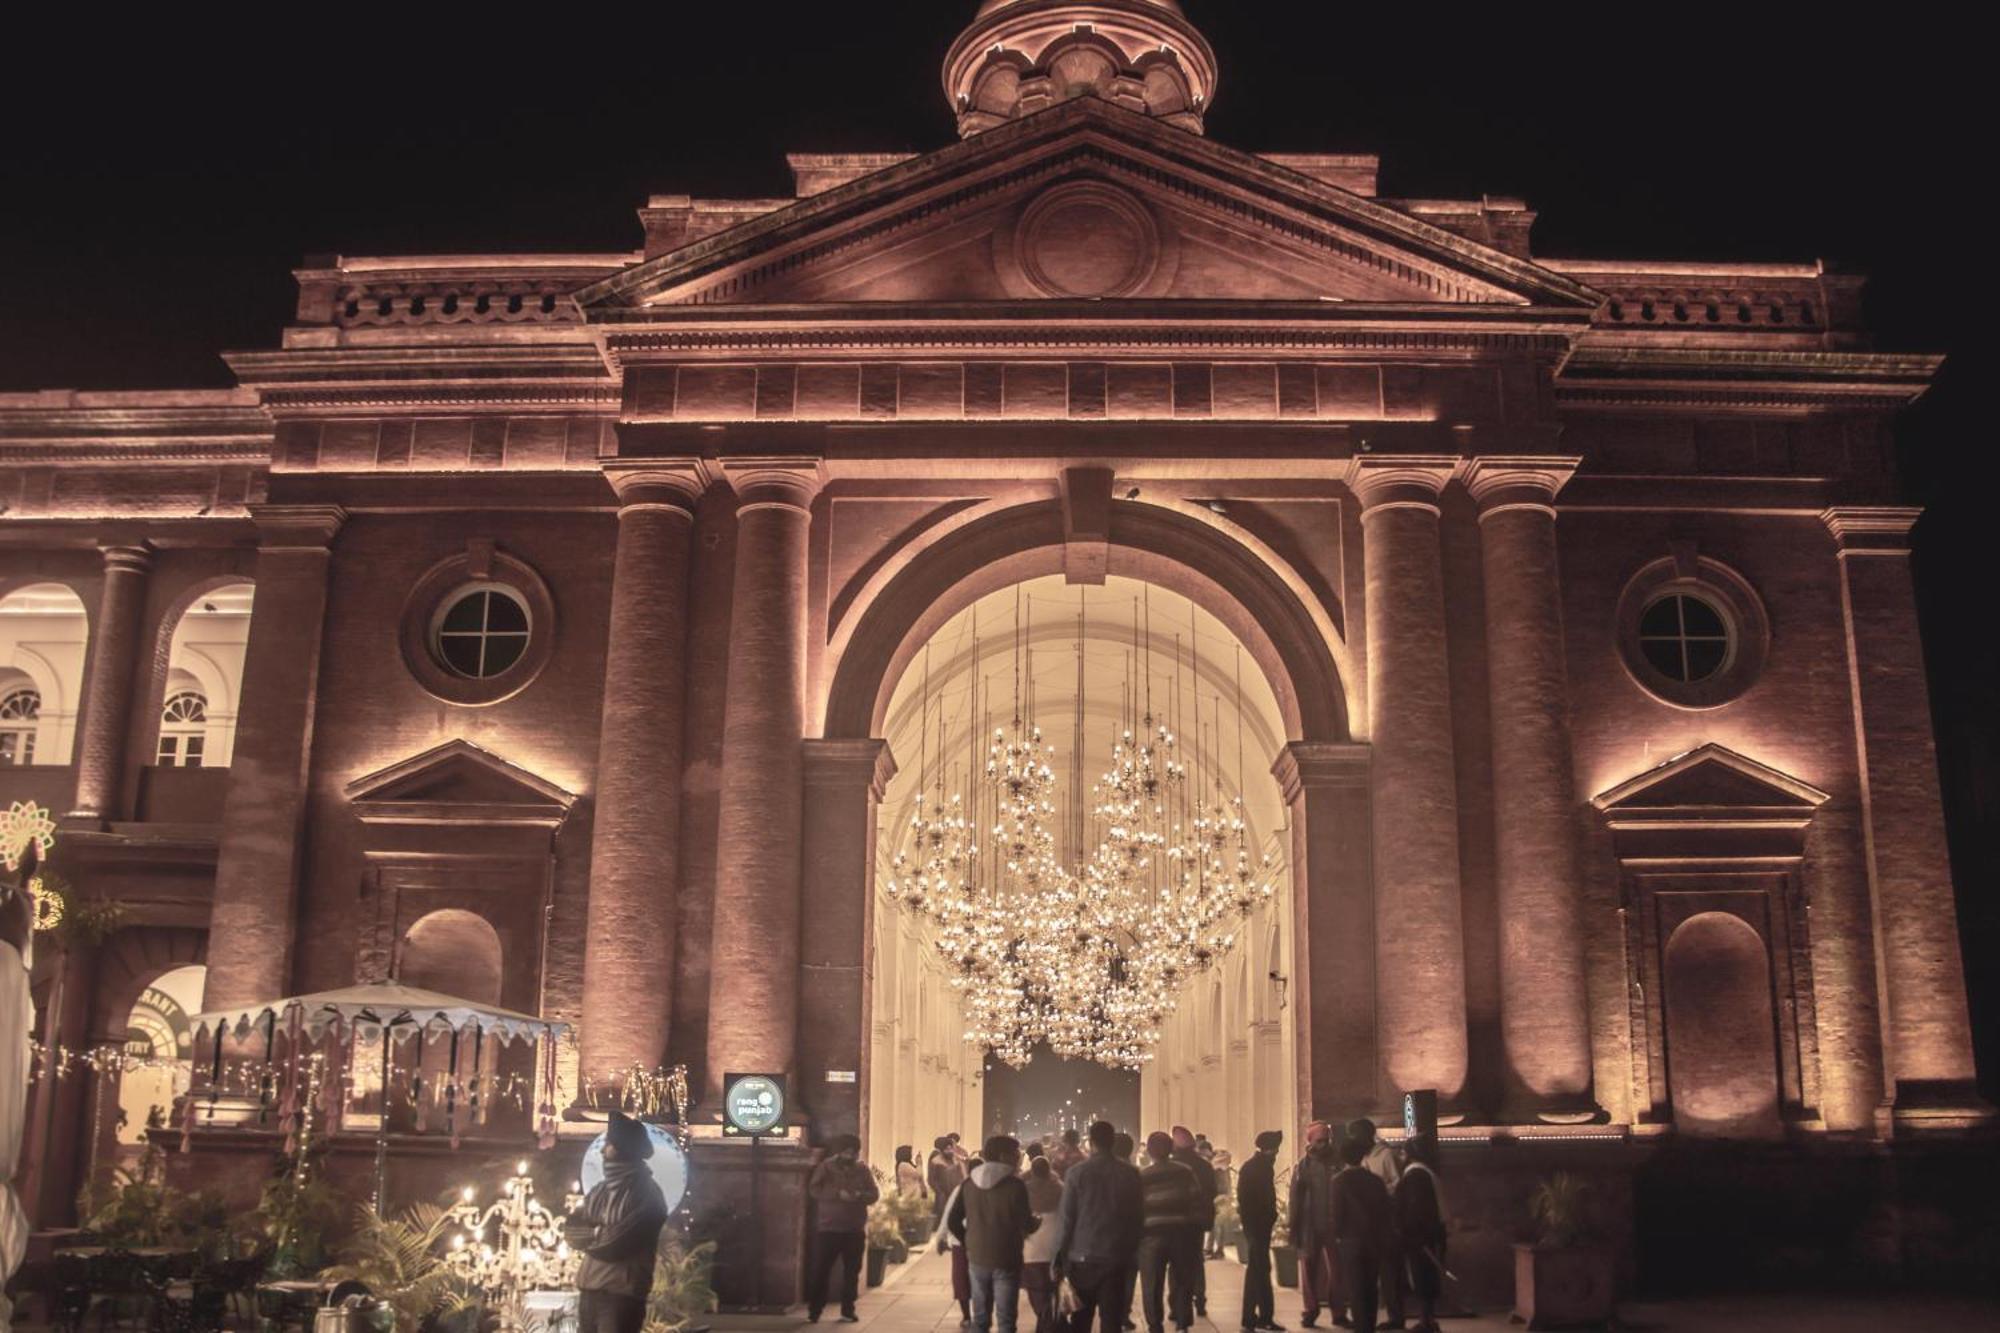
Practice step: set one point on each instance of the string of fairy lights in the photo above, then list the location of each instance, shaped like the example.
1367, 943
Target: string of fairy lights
1089, 953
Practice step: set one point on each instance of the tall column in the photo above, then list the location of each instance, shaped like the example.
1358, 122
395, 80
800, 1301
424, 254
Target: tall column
1333, 981
844, 782
1544, 1013
107, 690
753, 984
629, 932
1419, 938
253, 919
1927, 1034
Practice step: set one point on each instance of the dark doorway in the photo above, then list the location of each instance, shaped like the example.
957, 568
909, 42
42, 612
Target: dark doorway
1052, 1094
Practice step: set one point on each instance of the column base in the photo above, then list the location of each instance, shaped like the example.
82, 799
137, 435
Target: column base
1926, 1105
750, 1199
1572, 1109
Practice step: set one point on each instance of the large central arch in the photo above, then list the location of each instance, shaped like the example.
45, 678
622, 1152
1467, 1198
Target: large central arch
1291, 641
881, 624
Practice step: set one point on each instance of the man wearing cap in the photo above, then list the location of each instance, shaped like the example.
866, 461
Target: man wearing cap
1257, 1209
618, 1231
1312, 1225
1187, 1151
841, 1189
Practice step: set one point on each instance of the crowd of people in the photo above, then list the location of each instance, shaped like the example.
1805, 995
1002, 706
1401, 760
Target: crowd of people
1083, 1230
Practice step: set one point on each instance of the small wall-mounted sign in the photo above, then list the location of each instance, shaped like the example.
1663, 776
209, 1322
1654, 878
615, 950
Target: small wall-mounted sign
754, 1105
841, 1076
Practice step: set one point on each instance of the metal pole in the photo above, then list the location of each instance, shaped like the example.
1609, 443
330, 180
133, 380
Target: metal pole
757, 1221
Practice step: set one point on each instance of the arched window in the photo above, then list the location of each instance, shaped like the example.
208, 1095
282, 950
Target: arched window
183, 730
20, 718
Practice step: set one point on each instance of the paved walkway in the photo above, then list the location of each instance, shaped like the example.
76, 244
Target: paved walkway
916, 1298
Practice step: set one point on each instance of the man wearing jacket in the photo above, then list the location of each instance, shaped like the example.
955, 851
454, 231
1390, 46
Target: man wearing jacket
841, 1188
1257, 1209
1188, 1153
1361, 1222
1171, 1246
1100, 1218
1312, 1226
991, 1216
618, 1231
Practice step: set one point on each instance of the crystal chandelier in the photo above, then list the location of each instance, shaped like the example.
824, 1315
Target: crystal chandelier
1088, 956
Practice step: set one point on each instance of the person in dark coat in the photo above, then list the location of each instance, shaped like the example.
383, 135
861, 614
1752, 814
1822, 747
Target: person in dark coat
1257, 1210
1419, 1210
618, 1232
1171, 1246
1360, 1221
1100, 1221
1188, 1153
1311, 1213
841, 1188
1123, 1148
992, 1217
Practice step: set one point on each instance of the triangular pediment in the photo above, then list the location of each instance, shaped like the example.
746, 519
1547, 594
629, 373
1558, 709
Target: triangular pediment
1086, 201
1715, 779
457, 783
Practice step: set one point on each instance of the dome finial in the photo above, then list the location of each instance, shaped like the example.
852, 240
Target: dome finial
1020, 56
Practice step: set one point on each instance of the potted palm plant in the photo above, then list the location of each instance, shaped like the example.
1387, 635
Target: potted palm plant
401, 1261
1284, 1255
682, 1292
885, 1233
1565, 1277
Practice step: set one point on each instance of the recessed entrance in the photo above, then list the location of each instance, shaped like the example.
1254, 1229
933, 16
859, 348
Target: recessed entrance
1021, 709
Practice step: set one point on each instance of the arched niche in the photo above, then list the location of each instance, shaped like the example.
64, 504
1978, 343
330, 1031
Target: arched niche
1722, 1059
453, 952
44, 646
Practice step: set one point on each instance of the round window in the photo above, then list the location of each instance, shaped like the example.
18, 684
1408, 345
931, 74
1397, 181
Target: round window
1686, 637
1692, 633
477, 628
481, 631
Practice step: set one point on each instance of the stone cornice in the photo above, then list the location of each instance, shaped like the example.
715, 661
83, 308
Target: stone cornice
1871, 530
1500, 483
297, 527
1627, 375
849, 764
1314, 765
1394, 481
660, 483
785, 481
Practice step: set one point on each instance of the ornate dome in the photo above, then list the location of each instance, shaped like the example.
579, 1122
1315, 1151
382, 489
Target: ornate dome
1020, 56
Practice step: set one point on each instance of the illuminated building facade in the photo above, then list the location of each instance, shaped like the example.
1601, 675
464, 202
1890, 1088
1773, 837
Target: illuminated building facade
528, 626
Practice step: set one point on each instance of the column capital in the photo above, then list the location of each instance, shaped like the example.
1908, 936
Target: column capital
1501, 483
1401, 481
785, 481
1871, 529
297, 527
849, 763
1320, 764
659, 483
127, 557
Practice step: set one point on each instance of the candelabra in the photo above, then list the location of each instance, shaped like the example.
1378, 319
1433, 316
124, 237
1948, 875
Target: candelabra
512, 1246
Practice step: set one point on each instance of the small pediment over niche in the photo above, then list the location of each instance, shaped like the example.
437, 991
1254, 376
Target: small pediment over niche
1709, 784
458, 783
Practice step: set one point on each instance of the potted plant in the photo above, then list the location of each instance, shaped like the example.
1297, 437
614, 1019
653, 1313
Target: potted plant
1284, 1256
914, 1212
1564, 1278
400, 1261
296, 1217
682, 1290
885, 1232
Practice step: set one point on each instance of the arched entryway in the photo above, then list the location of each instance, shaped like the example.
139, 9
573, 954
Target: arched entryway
1299, 763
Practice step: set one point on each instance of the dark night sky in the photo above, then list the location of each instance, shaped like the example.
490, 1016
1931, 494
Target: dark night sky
158, 184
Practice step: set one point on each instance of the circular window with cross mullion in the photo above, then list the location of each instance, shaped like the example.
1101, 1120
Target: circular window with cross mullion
1692, 633
478, 628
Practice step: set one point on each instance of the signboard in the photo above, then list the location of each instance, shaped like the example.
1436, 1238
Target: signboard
754, 1105
1420, 1112
841, 1076
668, 1165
